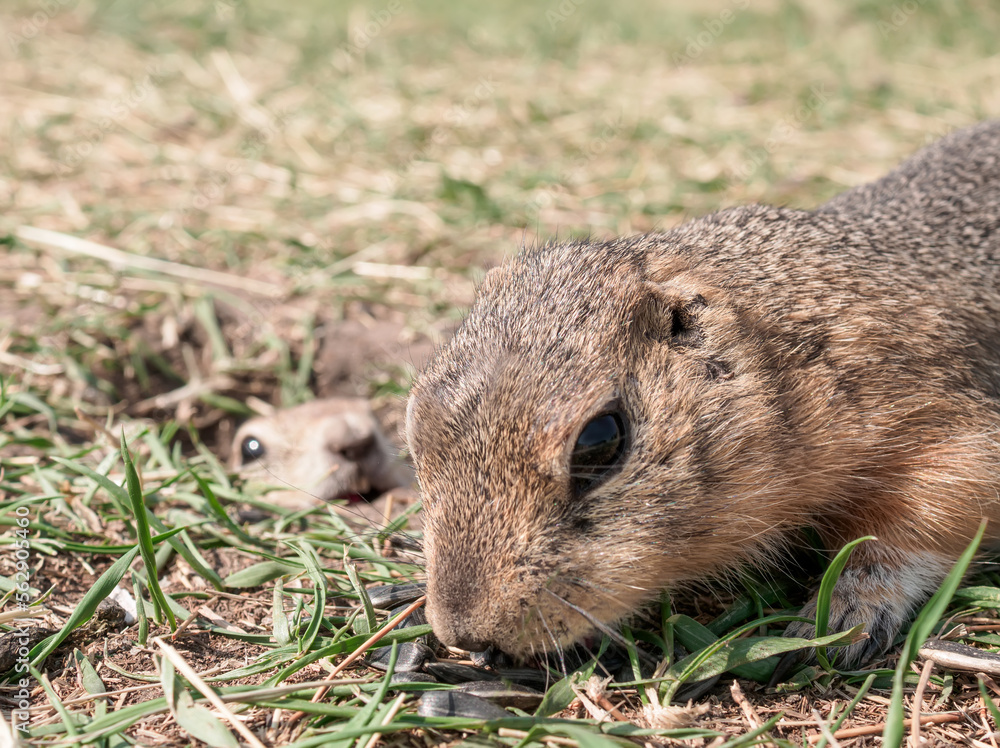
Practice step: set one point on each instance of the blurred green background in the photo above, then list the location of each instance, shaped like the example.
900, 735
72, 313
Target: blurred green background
554, 118
379, 156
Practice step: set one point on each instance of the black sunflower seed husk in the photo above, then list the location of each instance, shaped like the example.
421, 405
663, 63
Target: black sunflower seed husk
402, 678
388, 596
504, 694
491, 657
458, 704
412, 657
454, 672
525, 676
416, 618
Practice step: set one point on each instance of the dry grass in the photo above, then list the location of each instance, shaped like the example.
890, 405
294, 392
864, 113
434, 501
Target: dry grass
363, 165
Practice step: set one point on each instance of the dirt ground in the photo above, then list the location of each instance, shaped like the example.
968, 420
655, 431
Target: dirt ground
209, 209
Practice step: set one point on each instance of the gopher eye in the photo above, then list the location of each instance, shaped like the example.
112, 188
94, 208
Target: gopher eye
599, 449
251, 449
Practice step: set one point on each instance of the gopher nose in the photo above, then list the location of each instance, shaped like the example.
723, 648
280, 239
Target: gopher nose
470, 643
455, 631
454, 625
359, 447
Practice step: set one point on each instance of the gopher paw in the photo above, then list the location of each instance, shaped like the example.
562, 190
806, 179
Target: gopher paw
882, 621
881, 591
880, 597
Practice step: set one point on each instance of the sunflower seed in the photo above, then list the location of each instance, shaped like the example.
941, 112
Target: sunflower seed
458, 704
504, 694
453, 672
389, 595
412, 656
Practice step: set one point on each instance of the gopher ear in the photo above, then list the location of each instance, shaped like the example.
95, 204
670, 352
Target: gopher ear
670, 313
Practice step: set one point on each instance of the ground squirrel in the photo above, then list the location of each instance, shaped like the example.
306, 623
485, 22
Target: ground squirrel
322, 450
615, 418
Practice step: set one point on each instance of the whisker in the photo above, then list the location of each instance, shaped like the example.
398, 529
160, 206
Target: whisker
555, 642
606, 591
615, 636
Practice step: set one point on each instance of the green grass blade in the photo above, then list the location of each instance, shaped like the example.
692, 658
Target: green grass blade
560, 694
262, 573
366, 714
696, 637
586, 736
67, 717
990, 704
82, 613
219, 511
825, 595
144, 537
142, 633
367, 623
849, 710
89, 678
932, 612
312, 564
279, 621
189, 551
117, 494
194, 718
731, 652
751, 738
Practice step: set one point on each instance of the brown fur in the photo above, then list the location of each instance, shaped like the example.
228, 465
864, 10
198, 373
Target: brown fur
778, 368
321, 450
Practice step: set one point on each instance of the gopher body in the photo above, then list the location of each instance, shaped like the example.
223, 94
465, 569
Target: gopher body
616, 418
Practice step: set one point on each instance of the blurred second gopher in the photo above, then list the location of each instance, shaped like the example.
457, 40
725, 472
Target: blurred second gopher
322, 450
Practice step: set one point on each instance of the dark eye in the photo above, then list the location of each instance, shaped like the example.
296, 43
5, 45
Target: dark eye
599, 449
251, 449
